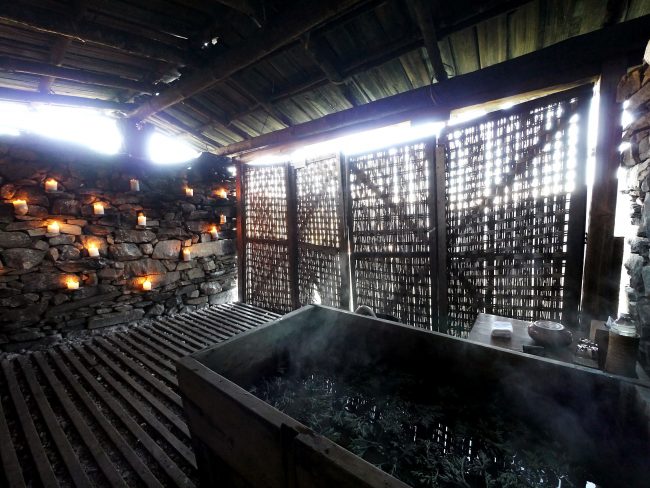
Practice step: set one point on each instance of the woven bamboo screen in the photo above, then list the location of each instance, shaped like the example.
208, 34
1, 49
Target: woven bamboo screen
321, 269
389, 224
515, 212
267, 255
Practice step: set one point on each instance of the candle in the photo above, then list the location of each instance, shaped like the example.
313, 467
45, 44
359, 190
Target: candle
72, 283
146, 285
222, 193
93, 252
222, 219
20, 207
51, 185
135, 185
189, 192
214, 232
98, 208
142, 220
53, 228
187, 254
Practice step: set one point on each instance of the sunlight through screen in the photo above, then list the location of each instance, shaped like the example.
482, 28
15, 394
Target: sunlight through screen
81, 126
163, 149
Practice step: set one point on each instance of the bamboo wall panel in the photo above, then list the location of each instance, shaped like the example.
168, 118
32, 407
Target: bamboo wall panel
267, 276
390, 223
268, 283
511, 183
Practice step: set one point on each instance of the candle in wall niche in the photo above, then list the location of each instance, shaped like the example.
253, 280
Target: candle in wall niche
51, 185
214, 232
189, 192
20, 207
146, 285
93, 252
72, 283
98, 208
187, 254
222, 193
135, 185
142, 220
222, 219
53, 228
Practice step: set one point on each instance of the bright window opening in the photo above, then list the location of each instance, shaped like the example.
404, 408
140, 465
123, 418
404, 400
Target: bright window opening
86, 127
163, 149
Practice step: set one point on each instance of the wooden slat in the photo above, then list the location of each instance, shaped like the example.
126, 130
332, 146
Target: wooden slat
85, 432
43, 466
167, 374
10, 463
62, 443
120, 443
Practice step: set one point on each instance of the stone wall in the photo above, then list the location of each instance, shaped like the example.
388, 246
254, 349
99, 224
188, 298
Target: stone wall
36, 308
635, 89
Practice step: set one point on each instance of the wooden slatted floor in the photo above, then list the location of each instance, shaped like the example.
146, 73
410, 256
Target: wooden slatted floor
106, 412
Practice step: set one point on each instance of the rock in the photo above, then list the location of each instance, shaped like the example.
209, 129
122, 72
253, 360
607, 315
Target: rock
167, 249
14, 239
66, 207
74, 230
81, 265
7, 191
53, 253
195, 273
85, 302
98, 230
223, 297
210, 287
124, 252
21, 258
214, 248
111, 274
634, 265
156, 310
146, 248
68, 252
26, 225
115, 318
43, 281
196, 301
41, 245
61, 240
26, 335
36, 211
643, 309
136, 236
144, 267
99, 242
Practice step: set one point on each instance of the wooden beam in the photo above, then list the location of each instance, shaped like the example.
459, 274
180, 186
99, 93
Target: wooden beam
602, 213
40, 21
246, 7
575, 59
213, 121
86, 77
423, 10
70, 101
285, 29
267, 107
60, 46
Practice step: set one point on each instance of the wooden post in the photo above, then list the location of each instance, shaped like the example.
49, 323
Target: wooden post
602, 212
349, 222
344, 257
292, 235
241, 233
439, 234
430, 155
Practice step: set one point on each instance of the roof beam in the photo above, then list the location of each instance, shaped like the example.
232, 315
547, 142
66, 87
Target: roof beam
424, 12
60, 46
80, 76
87, 32
575, 59
65, 100
285, 29
246, 7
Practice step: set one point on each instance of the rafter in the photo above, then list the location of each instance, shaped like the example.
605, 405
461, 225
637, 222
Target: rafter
89, 32
65, 100
80, 76
424, 14
285, 29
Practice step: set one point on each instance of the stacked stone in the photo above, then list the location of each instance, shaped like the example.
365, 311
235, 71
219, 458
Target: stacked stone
36, 308
634, 92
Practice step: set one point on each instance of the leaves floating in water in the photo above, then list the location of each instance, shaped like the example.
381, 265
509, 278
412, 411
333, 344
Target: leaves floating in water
435, 440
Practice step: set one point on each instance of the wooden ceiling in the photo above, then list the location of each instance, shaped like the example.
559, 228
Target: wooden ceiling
224, 71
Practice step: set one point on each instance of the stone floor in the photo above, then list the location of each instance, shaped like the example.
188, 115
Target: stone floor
106, 411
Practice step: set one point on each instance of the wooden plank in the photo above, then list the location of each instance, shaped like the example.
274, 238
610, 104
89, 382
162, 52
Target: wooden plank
349, 221
145, 440
205, 332
344, 257
170, 356
241, 317
116, 438
221, 334
10, 464
43, 466
241, 233
602, 212
180, 334
133, 368
162, 341
430, 154
85, 432
440, 236
167, 375
149, 352
239, 324
245, 308
63, 447
198, 340
292, 234
179, 343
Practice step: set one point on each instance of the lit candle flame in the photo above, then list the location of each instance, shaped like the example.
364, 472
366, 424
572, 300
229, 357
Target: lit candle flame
146, 285
51, 184
189, 192
53, 228
20, 206
72, 283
